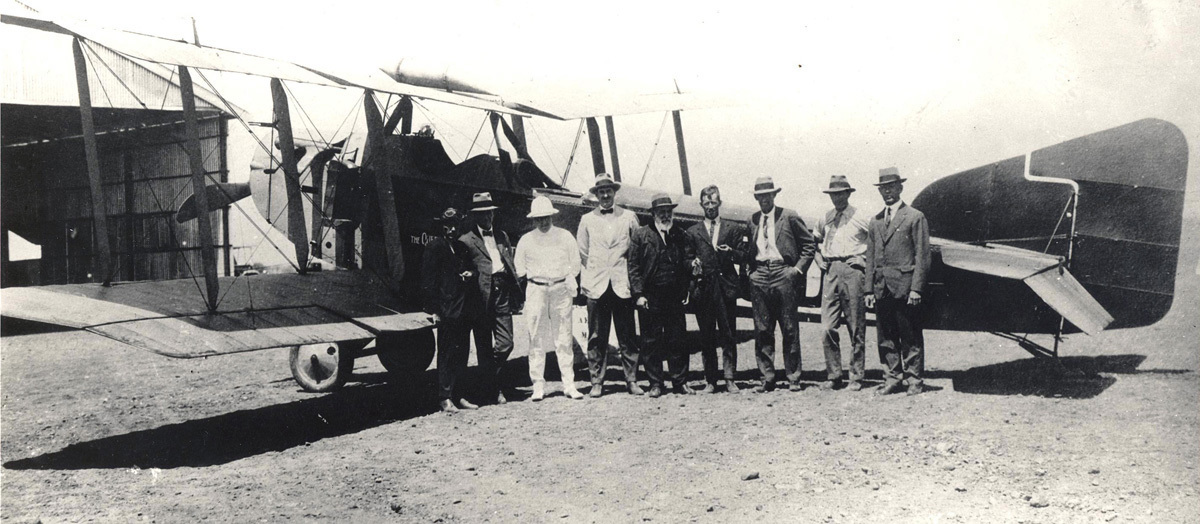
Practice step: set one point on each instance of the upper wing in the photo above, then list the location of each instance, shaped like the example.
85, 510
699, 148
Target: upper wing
1042, 273
256, 312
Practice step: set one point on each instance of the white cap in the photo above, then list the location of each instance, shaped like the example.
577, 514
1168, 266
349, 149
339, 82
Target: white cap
541, 207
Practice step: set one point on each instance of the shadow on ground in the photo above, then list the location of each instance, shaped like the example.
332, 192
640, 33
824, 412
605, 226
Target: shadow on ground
1069, 377
232, 436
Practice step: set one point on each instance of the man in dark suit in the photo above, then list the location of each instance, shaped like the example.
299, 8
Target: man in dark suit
897, 263
781, 249
658, 280
446, 277
491, 304
715, 245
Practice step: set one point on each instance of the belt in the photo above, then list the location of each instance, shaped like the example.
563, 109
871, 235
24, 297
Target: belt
547, 283
772, 263
839, 259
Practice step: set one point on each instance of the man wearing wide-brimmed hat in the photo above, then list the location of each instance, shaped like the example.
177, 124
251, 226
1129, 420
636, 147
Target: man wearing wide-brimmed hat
548, 261
897, 264
446, 278
781, 249
658, 280
603, 239
841, 254
492, 303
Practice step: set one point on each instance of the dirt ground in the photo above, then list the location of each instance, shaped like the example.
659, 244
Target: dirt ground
96, 431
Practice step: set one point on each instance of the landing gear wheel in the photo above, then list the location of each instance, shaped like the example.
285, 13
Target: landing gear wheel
319, 368
406, 354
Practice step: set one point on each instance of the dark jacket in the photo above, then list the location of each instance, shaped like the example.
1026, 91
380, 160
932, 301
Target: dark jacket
898, 255
443, 291
481, 295
647, 253
718, 266
792, 238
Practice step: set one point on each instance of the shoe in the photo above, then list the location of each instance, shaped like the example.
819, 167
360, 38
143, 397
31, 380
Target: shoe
795, 387
634, 389
538, 394
915, 389
830, 385
596, 391
655, 392
765, 387
500, 398
466, 404
448, 406
574, 394
732, 386
854, 385
683, 389
889, 388
709, 387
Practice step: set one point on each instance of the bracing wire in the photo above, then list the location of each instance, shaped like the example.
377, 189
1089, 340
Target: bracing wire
653, 149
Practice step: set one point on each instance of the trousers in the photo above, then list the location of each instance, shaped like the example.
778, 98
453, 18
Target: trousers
717, 317
603, 312
842, 303
550, 307
493, 344
453, 348
773, 294
901, 340
663, 329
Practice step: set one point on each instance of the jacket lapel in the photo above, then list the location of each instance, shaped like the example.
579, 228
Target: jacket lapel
901, 212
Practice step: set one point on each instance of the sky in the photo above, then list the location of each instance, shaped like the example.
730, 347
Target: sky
811, 89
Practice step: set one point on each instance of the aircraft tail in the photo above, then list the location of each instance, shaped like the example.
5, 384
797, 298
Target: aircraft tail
1110, 203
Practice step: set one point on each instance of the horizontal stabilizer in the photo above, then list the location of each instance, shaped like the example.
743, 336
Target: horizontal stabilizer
1068, 297
219, 196
1042, 273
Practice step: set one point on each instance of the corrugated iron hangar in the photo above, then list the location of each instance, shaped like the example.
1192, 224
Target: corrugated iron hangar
46, 221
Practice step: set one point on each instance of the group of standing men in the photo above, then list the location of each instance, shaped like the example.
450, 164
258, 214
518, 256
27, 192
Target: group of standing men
474, 282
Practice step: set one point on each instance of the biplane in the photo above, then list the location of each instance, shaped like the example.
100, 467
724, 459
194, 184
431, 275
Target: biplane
1079, 236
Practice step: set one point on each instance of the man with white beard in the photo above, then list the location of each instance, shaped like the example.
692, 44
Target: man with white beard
658, 280
548, 262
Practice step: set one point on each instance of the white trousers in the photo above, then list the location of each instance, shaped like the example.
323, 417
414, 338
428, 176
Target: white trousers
548, 315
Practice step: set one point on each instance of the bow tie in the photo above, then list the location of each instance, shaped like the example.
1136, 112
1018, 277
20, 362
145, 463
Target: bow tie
608, 211
486, 232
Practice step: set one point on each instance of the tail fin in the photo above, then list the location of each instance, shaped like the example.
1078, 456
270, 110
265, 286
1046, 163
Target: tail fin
1110, 202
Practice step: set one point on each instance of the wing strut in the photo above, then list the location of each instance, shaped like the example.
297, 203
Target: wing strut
612, 147
593, 131
99, 208
208, 255
383, 187
683, 166
291, 176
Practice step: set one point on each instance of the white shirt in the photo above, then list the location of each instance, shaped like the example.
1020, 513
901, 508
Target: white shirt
548, 257
489, 242
843, 235
766, 238
889, 212
714, 229
603, 240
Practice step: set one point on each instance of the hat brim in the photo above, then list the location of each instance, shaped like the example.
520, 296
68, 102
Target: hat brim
542, 215
897, 181
672, 206
839, 190
768, 191
484, 208
616, 186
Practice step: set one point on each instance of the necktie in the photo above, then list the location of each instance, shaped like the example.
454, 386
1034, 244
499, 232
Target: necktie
486, 232
712, 232
608, 211
888, 217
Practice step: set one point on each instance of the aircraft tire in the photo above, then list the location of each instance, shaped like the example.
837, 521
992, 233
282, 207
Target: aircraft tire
405, 354
320, 368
